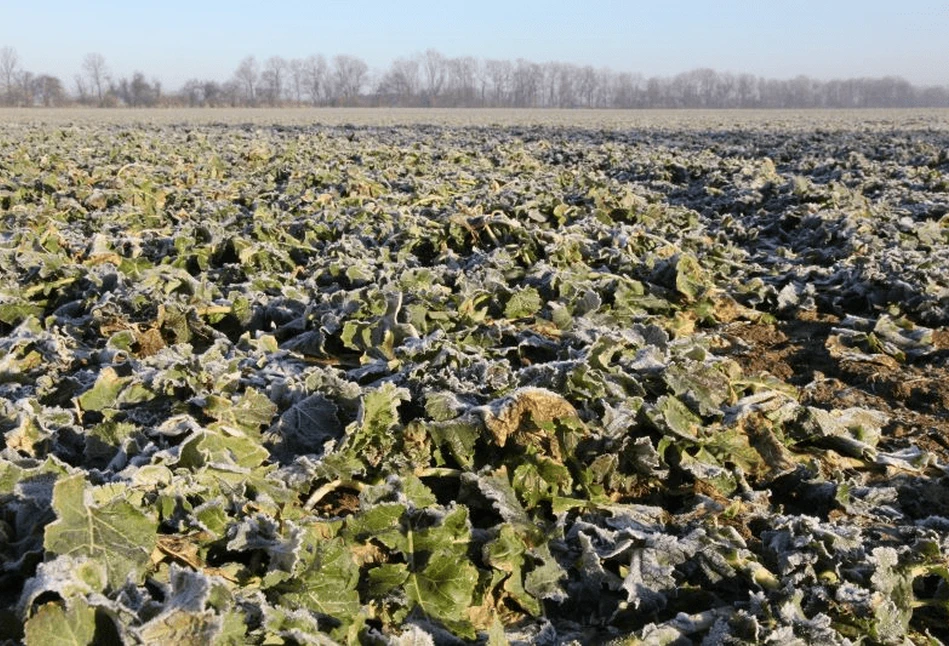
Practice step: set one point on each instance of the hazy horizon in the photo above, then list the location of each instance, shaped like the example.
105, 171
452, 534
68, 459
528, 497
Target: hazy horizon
179, 41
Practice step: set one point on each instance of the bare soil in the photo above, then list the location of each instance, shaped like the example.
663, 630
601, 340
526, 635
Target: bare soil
914, 394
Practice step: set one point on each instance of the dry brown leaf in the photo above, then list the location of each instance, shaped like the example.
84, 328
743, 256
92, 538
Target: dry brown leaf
525, 408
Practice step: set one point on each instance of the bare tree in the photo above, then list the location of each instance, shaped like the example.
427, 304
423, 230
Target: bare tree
406, 72
401, 82
296, 69
461, 79
706, 82
211, 93
230, 93
139, 90
499, 73
196, 92
481, 76
193, 92
566, 86
49, 91
136, 93
9, 62
247, 76
93, 65
623, 88
551, 72
527, 79
81, 92
26, 92
586, 85
273, 78
349, 75
933, 96
315, 79
746, 90
433, 63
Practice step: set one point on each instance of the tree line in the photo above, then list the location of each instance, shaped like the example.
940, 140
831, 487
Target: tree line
431, 79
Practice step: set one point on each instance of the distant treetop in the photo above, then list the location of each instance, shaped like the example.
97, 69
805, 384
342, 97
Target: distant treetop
431, 79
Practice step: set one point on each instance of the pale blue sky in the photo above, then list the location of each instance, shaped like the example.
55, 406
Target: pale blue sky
175, 40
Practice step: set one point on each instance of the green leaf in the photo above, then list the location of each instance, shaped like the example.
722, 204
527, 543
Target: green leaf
690, 280
212, 518
506, 553
436, 575
523, 303
387, 577
105, 391
496, 488
115, 533
705, 468
206, 448
371, 437
417, 493
460, 436
442, 406
543, 582
233, 630
326, 583
379, 411
443, 590
733, 445
451, 535
285, 626
673, 418
52, 625
893, 583
306, 426
16, 312
251, 412
538, 479
103, 441
69, 578
496, 635
379, 521
703, 387
181, 627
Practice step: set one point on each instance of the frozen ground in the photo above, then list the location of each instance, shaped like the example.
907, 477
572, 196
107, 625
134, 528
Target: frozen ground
474, 375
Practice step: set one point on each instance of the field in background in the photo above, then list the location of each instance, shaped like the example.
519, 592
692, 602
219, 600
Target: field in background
610, 119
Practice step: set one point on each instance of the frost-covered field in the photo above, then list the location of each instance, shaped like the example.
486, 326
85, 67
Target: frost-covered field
393, 376
679, 120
